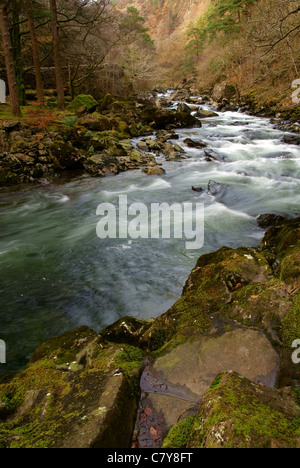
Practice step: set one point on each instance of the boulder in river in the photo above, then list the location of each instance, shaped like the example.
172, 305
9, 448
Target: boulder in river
215, 188
205, 114
268, 220
184, 108
194, 143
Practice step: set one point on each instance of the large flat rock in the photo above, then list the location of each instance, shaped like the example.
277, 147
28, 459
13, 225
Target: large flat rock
194, 365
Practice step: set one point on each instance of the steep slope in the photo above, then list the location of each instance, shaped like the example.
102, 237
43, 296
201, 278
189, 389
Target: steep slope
251, 44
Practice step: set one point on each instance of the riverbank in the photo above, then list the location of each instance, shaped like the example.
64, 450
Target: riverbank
216, 369
238, 312
95, 137
91, 137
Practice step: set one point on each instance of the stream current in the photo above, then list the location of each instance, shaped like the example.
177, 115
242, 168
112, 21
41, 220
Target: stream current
56, 274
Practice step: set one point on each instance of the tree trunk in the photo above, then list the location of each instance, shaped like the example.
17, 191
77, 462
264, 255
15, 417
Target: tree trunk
35, 54
9, 61
56, 55
17, 51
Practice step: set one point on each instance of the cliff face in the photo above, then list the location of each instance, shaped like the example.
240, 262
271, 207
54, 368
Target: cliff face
167, 17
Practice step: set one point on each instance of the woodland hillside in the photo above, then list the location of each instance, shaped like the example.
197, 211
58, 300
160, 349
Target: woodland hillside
254, 44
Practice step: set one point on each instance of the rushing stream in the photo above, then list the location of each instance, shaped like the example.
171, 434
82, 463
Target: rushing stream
56, 274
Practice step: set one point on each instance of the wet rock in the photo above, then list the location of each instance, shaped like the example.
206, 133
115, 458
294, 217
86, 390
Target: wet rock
214, 188
183, 108
194, 144
142, 146
149, 170
193, 365
96, 122
101, 165
159, 118
204, 114
211, 155
197, 189
65, 156
291, 139
268, 220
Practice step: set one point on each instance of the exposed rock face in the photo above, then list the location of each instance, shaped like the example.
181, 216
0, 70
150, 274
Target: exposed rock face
224, 91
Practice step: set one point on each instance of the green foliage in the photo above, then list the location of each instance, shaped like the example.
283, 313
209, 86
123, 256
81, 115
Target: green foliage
223, 16
133, 24
71, 121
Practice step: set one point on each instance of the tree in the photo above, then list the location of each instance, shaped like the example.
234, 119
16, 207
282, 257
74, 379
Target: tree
35, 52
223, 16
9, 60
56, 56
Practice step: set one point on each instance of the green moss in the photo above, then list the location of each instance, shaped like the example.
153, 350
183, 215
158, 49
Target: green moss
290, 267
83, 100
129, 358
179, 435
291, 323
234, 415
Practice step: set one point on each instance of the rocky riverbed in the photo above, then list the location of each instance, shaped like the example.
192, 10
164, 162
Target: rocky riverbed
95, 137
218, 369
215, 370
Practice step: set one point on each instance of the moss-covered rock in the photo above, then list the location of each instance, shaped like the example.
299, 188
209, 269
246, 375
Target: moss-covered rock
83, 101
237, 413
73, 394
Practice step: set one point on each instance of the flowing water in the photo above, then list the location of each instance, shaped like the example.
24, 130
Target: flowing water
56, 274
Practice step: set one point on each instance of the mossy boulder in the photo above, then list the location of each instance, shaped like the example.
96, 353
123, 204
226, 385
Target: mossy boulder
83, 101
65, 156
96, 122
73, 394
105, 103
238, 413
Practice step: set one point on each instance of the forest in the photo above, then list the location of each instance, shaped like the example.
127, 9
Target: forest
70, 47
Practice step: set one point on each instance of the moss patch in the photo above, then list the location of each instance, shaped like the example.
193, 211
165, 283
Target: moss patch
179, 435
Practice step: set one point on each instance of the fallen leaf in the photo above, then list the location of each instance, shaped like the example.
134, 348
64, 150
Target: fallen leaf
148, 412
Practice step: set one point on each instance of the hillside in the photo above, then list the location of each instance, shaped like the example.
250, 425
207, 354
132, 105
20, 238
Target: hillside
250, 43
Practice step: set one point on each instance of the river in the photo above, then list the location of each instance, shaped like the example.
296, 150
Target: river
56, 274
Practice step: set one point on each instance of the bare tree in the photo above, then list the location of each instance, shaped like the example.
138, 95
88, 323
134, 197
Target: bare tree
35, 52
56, 55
